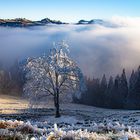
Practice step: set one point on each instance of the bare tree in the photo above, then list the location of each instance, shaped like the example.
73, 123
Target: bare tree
53, 75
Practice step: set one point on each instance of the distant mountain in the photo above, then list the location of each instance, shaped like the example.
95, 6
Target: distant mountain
83, 22
98, 22
22, 22
49, 21
93, 21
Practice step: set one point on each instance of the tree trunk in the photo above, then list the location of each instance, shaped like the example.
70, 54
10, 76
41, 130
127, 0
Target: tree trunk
56, 103
57, 107
57, 115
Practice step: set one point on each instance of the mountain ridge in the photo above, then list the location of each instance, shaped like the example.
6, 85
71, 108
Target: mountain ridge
23, 22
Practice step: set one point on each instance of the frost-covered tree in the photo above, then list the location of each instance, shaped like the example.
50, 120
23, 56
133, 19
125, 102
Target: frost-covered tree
53, 75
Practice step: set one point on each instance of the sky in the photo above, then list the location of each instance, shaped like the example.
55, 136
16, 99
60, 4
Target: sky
68, 10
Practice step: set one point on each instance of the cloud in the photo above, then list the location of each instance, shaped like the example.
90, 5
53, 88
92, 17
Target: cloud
97, 49
126, 21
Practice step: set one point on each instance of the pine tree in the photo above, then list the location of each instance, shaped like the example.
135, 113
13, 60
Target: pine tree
86, 97
116, 93
132, 82
131, 92
103, 85
137, 84
123, 88
103, 90
110, 84
96, 92
136, 90
17, 77
109, 95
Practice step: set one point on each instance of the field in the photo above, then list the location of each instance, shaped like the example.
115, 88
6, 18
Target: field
77, 121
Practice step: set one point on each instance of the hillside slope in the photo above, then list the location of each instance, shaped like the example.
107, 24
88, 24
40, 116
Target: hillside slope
77, 122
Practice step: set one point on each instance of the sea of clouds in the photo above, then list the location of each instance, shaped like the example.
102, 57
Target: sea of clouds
97, 48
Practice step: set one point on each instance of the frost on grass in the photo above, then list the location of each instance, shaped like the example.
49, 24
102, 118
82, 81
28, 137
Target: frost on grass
78, 122
26, 130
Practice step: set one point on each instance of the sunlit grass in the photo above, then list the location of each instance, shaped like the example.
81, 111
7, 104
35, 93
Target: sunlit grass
11, 105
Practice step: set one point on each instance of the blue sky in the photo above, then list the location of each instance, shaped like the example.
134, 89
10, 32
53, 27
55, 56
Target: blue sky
68, 10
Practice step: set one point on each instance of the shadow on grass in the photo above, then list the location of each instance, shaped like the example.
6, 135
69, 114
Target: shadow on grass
27, 114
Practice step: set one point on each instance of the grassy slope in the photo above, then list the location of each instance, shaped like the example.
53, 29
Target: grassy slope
11, 105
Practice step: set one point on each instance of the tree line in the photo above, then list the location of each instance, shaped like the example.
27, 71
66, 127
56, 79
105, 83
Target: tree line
116, 93
11, 79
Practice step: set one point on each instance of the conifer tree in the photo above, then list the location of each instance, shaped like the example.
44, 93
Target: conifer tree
123, 88
103, 90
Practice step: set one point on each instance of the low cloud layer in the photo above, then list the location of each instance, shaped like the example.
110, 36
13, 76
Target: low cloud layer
97, 49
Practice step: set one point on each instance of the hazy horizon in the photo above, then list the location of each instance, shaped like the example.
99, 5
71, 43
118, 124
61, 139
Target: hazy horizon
68, 11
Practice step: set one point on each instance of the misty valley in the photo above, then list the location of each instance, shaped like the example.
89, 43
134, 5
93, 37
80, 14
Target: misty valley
69, 81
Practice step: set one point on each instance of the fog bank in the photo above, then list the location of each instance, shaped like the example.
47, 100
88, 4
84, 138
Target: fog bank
96, 48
